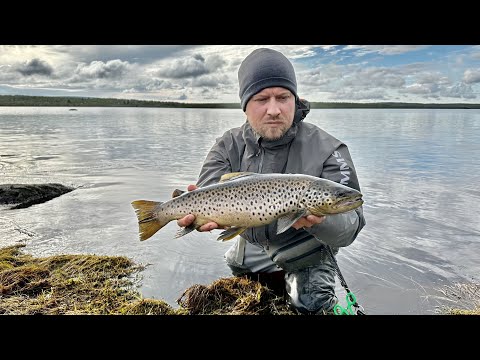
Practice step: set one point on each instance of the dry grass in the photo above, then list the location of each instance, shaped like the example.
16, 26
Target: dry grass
70, 284
103, 285
466, 298
233, 296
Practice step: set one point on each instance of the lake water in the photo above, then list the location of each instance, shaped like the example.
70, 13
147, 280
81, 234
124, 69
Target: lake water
418, 172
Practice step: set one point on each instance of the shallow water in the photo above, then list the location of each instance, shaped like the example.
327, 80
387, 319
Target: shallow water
417, 171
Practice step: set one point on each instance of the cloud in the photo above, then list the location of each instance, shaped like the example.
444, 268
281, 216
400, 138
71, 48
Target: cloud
375, 77
151, 85
459, 90
321, 76
193, 66
101, 70
475, 53
384, 49
212, 80
34, 67
427, 84
350, 94
140, 54
436, 90
432, 78
8, 73
14, 54
209, 73
421, 89
471, 76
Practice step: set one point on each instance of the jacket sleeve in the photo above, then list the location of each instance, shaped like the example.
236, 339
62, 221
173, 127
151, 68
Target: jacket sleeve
341, 229
215, 165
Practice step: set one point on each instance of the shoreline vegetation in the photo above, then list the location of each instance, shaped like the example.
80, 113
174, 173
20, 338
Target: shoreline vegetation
73, 101
107, 285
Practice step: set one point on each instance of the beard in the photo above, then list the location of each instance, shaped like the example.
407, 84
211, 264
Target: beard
271, 133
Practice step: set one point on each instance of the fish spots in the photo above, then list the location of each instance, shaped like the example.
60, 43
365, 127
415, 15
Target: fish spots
252, 201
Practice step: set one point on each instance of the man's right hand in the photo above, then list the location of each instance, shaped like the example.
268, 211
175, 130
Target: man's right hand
187, 220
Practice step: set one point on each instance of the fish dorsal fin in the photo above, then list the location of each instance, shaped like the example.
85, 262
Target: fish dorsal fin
235, 175
177, 192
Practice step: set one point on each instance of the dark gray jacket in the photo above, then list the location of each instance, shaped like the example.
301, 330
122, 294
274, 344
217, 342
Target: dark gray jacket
305, 149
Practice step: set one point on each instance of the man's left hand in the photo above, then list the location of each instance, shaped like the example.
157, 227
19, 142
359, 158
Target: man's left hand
308, 221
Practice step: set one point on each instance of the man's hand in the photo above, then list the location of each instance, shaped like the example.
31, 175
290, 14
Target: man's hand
308, 221
187, 220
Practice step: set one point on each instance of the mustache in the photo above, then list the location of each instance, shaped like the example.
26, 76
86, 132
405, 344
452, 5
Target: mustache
275, 118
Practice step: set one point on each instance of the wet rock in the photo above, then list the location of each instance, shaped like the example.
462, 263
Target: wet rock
25, 195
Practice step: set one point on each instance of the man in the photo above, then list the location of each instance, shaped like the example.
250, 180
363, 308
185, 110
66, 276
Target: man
275, 139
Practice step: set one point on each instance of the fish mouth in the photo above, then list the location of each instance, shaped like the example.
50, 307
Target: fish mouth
348, 203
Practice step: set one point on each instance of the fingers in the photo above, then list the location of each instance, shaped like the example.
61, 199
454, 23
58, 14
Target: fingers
300, 223
186, 220
192, 187
208, 226
315, 219
308, 221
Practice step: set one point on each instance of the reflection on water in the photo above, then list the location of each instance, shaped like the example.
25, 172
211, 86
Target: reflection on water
417, 170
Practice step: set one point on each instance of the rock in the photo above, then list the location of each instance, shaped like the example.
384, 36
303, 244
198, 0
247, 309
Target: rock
25, 195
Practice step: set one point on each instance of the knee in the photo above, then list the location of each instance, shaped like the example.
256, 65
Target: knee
236, 270
311, 290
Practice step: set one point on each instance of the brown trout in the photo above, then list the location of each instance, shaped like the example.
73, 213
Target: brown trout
243, 200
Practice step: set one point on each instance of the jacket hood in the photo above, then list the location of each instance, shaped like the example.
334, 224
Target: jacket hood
303, 108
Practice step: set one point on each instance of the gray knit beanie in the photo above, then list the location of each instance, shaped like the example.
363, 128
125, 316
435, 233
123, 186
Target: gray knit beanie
265, 68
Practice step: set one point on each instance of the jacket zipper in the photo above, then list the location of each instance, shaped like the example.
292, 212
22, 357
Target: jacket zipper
261, 154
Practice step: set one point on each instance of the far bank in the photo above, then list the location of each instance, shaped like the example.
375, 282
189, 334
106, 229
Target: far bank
73, 101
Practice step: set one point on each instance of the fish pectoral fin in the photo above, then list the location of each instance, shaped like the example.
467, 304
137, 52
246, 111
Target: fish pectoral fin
185, 230
235, 175
286, 221
177, 192
230, 233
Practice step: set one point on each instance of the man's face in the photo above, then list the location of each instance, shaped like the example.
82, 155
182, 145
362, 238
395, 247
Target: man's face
270, 112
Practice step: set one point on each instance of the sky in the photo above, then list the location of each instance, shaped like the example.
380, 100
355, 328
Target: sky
208, 73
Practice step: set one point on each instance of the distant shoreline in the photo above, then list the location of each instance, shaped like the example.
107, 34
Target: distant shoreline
73, 102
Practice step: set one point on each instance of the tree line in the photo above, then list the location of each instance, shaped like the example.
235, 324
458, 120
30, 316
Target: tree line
74, 101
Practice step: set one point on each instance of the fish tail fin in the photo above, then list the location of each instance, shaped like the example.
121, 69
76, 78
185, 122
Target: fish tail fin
148, 220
